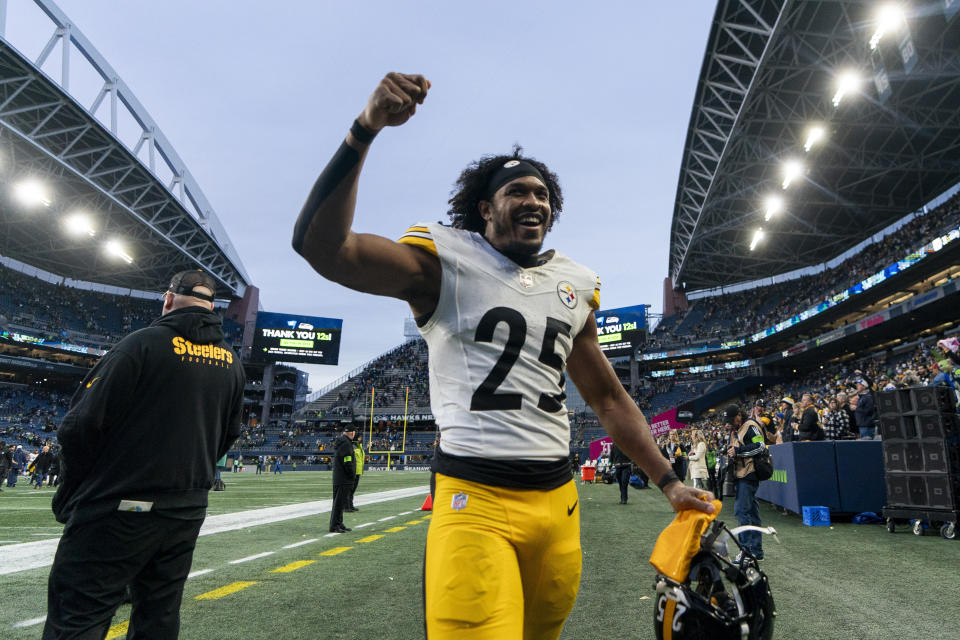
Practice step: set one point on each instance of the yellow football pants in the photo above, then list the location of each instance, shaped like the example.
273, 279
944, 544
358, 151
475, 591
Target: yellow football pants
502, 564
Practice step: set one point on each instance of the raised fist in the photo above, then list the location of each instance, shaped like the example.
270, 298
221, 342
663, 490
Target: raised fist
394, 101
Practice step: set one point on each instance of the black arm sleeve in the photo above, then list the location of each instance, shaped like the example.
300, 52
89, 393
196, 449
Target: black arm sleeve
341, 164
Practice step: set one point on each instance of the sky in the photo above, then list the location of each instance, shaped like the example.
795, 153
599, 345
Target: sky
255, 97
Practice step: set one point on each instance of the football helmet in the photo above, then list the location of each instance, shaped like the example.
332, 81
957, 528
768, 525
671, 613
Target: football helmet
724, 597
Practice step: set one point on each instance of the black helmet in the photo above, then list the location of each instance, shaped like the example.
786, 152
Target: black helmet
721, 599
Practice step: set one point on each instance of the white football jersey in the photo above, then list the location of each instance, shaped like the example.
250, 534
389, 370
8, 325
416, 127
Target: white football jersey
499, 340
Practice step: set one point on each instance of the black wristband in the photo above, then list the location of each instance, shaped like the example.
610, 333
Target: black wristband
668, 478
361, 133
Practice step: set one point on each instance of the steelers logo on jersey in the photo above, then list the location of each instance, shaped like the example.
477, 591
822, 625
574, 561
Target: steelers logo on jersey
568, 295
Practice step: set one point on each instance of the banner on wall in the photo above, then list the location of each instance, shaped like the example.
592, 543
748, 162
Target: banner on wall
600, 447
665, 422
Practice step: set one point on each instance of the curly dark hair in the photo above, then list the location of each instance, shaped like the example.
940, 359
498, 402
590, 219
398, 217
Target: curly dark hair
471, 187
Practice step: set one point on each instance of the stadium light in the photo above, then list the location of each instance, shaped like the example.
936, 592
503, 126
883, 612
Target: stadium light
815, 134
792, 169
847, 83
115, 248
31, 193
889, 19
78, 224
772, 206
757, 237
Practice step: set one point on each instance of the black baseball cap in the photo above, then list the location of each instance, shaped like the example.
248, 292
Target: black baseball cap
731, 412
183, 283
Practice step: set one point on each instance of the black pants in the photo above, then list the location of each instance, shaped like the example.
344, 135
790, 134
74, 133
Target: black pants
341, 497
353, 491
95, 562
623, 479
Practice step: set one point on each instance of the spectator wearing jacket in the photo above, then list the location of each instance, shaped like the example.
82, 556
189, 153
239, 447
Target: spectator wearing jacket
836, 424
866, 411
746, 441
698, 461
809, 427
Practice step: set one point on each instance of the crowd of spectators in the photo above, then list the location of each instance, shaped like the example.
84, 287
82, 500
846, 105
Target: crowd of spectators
57, 311
30, 409
389, 377
737, 315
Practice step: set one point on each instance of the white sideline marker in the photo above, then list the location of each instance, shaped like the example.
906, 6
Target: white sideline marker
365, 524
405, 513
34, 555
202, 572
30, 623
253, 557
301, 543
331, 534
387, 518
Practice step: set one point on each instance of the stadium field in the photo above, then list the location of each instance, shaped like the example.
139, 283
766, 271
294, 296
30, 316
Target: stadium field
289, 579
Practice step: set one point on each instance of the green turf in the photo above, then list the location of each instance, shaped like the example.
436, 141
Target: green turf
851, 581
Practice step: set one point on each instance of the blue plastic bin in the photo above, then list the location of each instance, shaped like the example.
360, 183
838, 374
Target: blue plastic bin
816, 516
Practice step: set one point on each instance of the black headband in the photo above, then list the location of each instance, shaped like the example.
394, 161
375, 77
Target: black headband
511, 170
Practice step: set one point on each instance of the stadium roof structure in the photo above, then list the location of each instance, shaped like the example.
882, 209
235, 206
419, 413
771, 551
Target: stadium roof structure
140, 192
770, 72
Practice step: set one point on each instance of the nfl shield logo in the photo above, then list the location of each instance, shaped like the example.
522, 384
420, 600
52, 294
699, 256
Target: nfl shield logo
459, 502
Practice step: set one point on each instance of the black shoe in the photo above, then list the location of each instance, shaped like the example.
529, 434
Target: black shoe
344, 529
352, 509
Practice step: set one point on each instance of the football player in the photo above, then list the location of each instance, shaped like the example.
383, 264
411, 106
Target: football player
505, 322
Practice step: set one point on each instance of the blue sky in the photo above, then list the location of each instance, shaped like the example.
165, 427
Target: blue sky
256, 96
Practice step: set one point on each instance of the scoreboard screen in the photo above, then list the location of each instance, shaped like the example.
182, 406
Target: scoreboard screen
618, 329
284, 337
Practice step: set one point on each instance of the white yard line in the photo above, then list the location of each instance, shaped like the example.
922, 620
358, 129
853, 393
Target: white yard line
255, 556
300, 544
34, 555
202, 572
387, 518
30, 623
365, 524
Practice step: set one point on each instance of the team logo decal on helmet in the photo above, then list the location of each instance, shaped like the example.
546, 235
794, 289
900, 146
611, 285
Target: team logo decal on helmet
720, 598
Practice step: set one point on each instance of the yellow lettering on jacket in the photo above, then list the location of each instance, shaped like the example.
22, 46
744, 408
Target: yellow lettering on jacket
182, 346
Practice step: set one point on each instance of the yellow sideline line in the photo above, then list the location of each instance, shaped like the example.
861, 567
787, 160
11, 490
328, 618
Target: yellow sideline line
293, 566
414, 522
334, 551
369, 538
216, 594
117, 630
394, 529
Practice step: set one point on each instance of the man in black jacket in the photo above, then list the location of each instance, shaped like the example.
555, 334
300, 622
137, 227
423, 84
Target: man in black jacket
809, 428
344, 470
138, 449
621, 464
866, 411
41, 465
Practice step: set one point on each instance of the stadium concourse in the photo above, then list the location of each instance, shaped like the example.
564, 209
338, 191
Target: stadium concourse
827, 277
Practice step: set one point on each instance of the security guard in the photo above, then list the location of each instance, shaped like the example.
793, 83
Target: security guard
358, 459
344, 471
138, 449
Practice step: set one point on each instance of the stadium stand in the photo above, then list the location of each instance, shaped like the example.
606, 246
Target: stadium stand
736, 315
